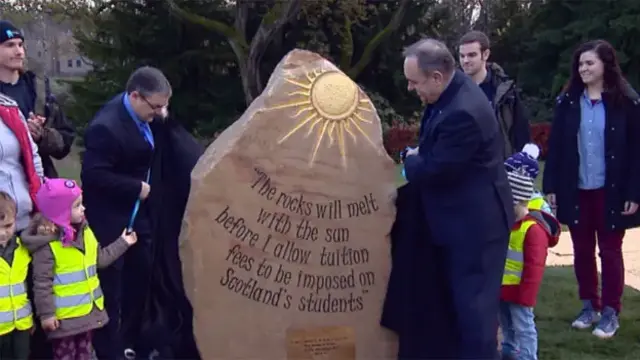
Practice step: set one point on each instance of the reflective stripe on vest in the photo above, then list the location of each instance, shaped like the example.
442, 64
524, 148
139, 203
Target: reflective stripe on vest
76, 287
15, 307
515, 257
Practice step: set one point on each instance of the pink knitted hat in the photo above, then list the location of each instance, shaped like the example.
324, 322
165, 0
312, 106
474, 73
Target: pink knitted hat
54, 200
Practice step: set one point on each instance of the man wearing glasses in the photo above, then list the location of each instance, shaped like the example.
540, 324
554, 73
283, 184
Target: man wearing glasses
116, 170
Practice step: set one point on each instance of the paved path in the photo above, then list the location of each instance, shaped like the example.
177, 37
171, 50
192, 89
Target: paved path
562, 254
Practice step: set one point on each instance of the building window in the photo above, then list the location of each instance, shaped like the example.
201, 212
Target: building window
78, 63
39, 53
69, 63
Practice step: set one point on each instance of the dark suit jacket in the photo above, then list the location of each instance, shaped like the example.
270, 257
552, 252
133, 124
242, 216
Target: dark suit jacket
418, 305
114, 165
467, 204
460, 167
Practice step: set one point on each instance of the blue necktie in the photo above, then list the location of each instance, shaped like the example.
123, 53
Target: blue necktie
145, 131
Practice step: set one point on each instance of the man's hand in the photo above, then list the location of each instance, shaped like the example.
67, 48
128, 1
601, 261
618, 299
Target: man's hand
38, 119
35, 128
413, 151
144, 191
630, 208
50, 324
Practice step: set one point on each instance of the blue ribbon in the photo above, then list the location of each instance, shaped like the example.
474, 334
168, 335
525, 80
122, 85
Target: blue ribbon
136, 208
404, 174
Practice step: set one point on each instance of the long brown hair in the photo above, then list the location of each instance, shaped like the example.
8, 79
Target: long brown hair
613, 81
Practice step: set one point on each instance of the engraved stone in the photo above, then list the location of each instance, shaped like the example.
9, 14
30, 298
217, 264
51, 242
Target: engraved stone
285, 245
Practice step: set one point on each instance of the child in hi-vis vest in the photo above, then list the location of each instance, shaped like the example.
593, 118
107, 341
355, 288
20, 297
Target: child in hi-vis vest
531, 236
66, 257
16, 320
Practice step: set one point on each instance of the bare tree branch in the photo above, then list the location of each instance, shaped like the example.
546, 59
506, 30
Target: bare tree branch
393, 25
231, 33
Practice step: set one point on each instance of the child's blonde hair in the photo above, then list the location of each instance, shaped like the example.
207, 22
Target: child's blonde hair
8, 208
42, 226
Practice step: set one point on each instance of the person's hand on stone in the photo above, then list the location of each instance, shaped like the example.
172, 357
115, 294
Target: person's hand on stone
145, 190
413, 151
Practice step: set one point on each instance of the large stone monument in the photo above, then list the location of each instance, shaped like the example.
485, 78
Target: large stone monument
285, 245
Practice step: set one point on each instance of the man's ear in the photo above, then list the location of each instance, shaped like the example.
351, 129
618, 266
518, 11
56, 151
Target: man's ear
438, 76
485, 54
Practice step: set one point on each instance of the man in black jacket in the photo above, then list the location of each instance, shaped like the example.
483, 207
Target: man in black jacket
466, 198
120, 147
50, 129
502, 92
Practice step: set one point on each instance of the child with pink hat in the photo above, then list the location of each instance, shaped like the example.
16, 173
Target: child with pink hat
66, 257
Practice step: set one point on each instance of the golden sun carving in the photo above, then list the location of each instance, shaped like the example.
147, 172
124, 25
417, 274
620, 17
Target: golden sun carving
333, 105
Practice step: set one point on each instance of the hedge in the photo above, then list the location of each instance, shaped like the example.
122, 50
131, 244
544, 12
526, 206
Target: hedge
400, 135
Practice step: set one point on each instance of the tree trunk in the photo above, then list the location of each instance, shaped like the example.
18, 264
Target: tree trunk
249, 56
261, 40
393, 25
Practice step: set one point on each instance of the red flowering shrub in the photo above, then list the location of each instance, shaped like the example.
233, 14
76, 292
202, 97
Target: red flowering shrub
399, 136
540, 136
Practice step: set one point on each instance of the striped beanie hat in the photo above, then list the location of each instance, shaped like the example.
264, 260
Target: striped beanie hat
522, 169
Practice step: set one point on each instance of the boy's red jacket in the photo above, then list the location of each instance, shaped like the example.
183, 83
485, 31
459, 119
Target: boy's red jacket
539, 238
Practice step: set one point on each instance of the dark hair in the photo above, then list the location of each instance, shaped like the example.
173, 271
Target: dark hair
432, 55
8, 207
147, 81
476, 36
613, 81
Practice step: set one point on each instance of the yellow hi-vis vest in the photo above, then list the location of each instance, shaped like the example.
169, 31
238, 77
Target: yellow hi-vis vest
536, 204
75, 282
515, 255
15, 308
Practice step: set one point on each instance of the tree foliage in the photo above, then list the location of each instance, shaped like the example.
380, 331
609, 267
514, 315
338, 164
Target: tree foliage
219, 54
132, 34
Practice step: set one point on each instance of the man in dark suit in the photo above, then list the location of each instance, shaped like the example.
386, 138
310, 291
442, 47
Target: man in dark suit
466, 197
116, 172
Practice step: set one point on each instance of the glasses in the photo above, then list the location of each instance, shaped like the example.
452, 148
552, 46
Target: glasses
154, 107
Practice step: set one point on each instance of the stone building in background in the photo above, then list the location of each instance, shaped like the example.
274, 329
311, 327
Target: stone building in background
51, 49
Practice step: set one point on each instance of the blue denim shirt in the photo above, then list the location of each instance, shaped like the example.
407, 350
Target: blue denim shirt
591, 144
144, 127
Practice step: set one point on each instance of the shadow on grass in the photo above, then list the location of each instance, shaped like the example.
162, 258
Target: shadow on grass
557, 307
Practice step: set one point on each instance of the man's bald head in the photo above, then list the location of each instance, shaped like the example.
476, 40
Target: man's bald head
431, 55
428, 67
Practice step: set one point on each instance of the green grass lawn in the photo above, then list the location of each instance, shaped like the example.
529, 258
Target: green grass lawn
69, 167
556, 309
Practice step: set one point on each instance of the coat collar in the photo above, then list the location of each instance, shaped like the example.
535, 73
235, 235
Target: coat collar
450, 92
